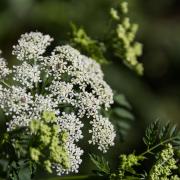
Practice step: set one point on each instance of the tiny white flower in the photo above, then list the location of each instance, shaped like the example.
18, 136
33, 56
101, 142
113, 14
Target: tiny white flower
4, 70
26, 74
65, 82
103, 133
31, 46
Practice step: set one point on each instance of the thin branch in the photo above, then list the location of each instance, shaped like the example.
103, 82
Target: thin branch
79, 177
159, 144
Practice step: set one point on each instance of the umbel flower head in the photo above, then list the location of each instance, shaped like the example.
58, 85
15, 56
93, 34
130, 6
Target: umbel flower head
65, 82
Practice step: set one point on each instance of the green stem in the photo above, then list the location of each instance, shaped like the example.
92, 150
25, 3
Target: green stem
80, 177
5, 83
36, 84
160, 144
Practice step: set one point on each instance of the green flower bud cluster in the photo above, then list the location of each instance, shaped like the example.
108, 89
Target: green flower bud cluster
175, 177
87, 45
162, 170
118, 42
124, 44
48, 144
124, 7
127, 163
114, 14
166, 165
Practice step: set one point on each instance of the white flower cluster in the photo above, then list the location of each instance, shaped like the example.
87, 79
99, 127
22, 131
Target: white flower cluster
4, 71
27, 74
102, 133
65, 82
31, 46
72, 125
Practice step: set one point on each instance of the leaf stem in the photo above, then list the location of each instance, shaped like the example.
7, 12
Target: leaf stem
159, 144
79, 177
3, 82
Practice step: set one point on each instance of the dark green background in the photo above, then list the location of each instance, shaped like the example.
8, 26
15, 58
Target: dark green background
155, 95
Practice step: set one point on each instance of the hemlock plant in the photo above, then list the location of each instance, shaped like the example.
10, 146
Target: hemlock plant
62, 88
47, 97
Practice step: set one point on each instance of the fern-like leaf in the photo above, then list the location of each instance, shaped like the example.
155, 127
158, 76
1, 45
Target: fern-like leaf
101, 164
122, 115
158, 135
151, 134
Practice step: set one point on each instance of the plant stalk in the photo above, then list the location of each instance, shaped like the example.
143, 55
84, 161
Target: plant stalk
80, 177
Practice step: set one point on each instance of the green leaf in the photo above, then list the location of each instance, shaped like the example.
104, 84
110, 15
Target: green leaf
100, 163
124, 125
24, 173
3, 165
131, 178
151, 134
123, 113
122, 101
157, 133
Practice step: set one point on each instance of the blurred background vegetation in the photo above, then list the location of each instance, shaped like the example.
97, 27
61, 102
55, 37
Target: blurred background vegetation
155, 95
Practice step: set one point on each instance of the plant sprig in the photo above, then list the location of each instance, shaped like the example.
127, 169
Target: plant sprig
117, 43
157, 135
162, 142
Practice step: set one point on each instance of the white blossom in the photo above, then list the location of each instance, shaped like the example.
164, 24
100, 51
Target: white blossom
31, 46
71, 124
75, 154
65, 82
44, 103
103, 133
2, 96
20, 120
88, 104
62, 91
16, 100
26, 74
24, 108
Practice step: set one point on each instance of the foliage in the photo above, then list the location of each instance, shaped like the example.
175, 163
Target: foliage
43, 144
158, 134
127, 162
162, 150
101, 164
47, 99
164, 165
117, 43
121, 115
48, 145
87, 45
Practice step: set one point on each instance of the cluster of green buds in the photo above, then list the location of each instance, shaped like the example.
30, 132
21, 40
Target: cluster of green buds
127, 163
124, 44
165, 165
48, 145
88, 45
